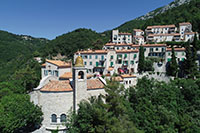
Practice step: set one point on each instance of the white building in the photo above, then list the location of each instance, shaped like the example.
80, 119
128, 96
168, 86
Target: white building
55, 68
120, 37
57, 97
184, 27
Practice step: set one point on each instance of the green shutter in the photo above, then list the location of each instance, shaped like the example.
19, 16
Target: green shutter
111, 63
97, 64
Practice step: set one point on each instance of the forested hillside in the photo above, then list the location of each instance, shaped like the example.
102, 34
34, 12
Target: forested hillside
188, 12
68, 44
16, 50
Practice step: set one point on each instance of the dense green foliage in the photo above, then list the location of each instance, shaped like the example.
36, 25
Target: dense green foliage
150, 106
16, 50
172, 69
68, 44
17, 113
184, 13
97, 116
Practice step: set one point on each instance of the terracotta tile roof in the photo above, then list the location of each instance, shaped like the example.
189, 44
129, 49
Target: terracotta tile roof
124, 33
160, 35
59, 63
107, 75
118, 78
154, 45
92, 52
184, 23
110, 68
94, 84
57, 86
189, 33
117, 44
66, 75
161, 26
128, 76
175, 49
138, 30
127, 51
138, 37
135, 45
43, 65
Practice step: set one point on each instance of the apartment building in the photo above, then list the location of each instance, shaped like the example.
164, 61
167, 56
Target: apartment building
179, 53
121, 37
138, 36
185, 27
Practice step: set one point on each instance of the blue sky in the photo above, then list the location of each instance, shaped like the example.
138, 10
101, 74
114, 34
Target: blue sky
50, 18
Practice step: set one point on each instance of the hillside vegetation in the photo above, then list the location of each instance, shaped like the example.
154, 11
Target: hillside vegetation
16, 50
68, 44
188, 12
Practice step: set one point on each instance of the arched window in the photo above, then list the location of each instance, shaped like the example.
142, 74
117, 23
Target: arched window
53, 118
81, 75
63, 118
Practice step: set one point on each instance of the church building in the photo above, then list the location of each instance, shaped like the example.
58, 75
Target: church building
56, 97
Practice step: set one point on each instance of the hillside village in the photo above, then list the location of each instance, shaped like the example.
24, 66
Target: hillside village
66, 84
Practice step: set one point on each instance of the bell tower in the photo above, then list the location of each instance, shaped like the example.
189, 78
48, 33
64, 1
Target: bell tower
79, 82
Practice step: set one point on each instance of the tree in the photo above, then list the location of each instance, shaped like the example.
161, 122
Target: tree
190, 66
18, 114
141, 63
173, 66
98, 115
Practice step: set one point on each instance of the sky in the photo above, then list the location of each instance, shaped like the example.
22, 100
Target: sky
51, 18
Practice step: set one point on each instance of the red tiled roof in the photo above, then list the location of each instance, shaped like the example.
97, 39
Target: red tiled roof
128, 76
58, 63
138, 30
124, 33
66, 75
117, 44
189, 33
138, 37
92, 52
185, 23
154, 45
161, 35
57, 86
175, 49
161, 26
110, 68
127, 51
94, 84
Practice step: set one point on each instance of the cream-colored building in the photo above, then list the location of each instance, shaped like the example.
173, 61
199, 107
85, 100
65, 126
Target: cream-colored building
57, 97
121, 37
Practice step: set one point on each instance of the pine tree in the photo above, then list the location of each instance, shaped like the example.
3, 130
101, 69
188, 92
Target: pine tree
190, 66
173, 64
141, 64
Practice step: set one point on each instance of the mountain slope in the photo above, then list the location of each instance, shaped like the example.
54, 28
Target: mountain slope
185, 12
69, 43
16, 50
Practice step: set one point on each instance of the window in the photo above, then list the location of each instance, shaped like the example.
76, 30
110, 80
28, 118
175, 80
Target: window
132, 62
129, 81
169, 53
111, 63
169, 59
102, 57
144, 49
96, 57
183, 53
63, 118
56, 73
85, 63
151, 49
97, 64
53, 118
111, 57
156, 49
163, 49
135, 55
85, 57
81, 75
125, 56
90, 63
182, 59
45, 72
176, 53
90, 57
